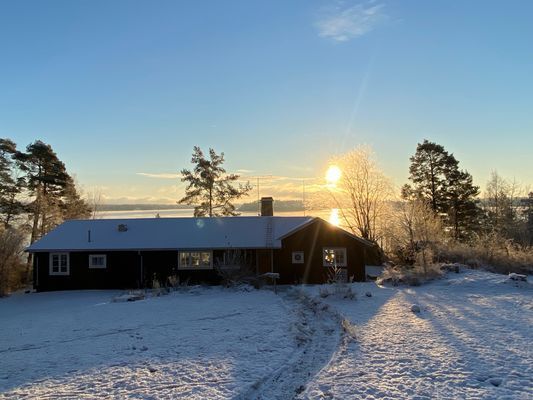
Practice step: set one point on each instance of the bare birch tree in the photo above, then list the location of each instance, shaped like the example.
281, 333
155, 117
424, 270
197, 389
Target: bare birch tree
362, 194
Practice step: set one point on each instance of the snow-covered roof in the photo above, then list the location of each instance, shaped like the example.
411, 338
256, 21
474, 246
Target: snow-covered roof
169, 233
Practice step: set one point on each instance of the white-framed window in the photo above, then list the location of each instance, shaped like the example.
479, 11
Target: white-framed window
195, 260
59, 264
297, 257
97, 261
334, 256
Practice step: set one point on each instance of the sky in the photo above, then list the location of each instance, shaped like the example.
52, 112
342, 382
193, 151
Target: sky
123, 90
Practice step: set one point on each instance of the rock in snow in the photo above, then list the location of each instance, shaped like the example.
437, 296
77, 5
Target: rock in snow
495, 381
517, 277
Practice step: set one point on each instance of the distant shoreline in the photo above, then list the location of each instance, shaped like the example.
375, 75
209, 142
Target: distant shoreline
279, 205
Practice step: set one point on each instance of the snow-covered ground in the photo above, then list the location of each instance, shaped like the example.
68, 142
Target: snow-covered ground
205, 343
472, 339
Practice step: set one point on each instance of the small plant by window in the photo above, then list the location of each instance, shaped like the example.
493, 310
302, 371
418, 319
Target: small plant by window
235, 267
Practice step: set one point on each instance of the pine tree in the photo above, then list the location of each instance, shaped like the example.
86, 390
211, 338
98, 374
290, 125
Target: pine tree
450, 192
429, 171
209, 188
11, 185
463, 212
73, 206
47, 179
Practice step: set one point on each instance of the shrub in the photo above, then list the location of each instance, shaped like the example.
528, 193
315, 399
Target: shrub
235, 269
12, 269
492, 253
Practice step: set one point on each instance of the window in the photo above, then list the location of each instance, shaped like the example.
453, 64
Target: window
297, 257
334, 257
97, 261
235, 259
59, 264
195, 260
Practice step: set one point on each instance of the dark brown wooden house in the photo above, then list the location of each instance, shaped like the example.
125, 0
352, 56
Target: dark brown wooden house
132, 253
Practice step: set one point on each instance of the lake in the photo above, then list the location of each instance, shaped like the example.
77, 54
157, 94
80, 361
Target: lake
330, 215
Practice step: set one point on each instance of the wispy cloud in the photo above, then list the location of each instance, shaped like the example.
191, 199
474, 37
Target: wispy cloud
343, 23
159, 175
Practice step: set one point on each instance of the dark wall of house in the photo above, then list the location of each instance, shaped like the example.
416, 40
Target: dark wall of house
124, 270
311, 240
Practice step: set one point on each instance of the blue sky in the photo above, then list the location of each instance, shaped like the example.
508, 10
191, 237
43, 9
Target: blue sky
123, 90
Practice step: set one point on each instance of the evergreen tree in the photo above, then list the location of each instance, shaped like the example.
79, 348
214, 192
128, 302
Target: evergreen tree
72, 205
209, 188
430, 169
11, 185
449, 192
463, 212
47, 179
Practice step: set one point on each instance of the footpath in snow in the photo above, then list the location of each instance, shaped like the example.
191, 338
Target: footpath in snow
473, 339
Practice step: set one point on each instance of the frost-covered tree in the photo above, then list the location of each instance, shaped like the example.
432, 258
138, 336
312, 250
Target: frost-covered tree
528, 212
415, 228
11, 241
500, 211
209, 188
362, 194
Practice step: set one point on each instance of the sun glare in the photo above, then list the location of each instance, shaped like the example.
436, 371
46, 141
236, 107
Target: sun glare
333, 174
334, 217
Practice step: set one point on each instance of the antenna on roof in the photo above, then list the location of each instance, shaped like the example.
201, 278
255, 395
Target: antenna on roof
122, 227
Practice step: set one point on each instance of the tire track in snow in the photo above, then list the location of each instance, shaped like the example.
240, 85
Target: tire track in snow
318, 334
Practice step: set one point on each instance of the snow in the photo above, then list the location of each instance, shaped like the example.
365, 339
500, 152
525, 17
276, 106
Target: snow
471, 339
204, 343
169, 233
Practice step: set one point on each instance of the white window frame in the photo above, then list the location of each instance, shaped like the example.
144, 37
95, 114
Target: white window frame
59, 272
189, 265
325, 251
295, 255
93, 266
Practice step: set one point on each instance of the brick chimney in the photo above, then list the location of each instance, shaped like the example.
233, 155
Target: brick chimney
267, 206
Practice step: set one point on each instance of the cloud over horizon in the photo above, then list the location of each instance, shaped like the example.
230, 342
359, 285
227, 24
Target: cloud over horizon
159, 175
342, 23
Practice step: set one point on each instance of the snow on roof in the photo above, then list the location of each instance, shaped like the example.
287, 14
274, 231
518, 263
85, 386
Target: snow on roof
169, 233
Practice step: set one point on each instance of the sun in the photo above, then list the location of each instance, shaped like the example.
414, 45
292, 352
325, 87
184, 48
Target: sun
333, 174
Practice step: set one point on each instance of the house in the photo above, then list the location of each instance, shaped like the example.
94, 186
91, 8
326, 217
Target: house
131, 253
